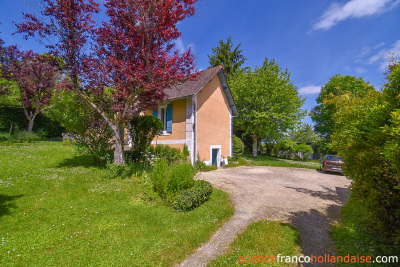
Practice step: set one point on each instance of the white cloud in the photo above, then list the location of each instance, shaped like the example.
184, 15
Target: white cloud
361, 70
181, 47
310, 89
384, 55
352, 9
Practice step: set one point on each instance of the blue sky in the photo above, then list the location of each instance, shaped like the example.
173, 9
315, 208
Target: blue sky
314, 39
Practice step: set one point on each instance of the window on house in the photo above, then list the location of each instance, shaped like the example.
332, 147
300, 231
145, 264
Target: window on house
163, 117
164, 113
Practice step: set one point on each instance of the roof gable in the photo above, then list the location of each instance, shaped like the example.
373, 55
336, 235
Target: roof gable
194, 86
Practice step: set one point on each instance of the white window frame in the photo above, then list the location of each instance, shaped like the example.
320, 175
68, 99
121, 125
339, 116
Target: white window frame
163, 120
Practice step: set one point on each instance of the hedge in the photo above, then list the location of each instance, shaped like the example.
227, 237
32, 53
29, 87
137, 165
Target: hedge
193, 197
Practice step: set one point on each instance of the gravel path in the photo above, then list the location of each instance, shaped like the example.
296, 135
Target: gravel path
307, 199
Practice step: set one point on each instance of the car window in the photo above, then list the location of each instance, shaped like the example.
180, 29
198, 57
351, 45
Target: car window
334, 158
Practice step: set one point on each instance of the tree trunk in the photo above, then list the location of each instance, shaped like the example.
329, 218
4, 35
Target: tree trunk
119, 157
255, 141
31, 119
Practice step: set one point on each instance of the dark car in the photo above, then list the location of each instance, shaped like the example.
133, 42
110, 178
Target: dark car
332, 163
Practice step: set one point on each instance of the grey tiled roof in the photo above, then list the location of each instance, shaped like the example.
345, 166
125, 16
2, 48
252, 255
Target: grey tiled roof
192, 86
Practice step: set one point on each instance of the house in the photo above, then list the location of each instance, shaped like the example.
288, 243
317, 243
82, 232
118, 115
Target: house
198, 113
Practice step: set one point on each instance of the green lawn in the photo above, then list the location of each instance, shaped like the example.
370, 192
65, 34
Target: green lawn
263, 238
352, 236
57, 208
261, 160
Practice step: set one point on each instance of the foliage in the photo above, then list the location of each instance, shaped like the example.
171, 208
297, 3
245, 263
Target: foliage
286, 148
168, 180
4, 136
323, 146
87, 132
303, 133
36, 77
262, 238
366, 134
26, 137
115, 170
304, 150
239, 162
267, 101
193, 197
352, 235
207, 168
238, 148
143, 129
223, 55
73, 207
14, 116
168, 153
322, 114
132, 58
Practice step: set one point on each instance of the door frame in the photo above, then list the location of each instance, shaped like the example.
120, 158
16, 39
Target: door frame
218, 147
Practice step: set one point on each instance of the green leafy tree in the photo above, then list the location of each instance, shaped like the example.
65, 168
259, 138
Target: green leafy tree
304, 150
267, 100
238, 147
231, 60
88, 133
303, 133
322, 114
367, 133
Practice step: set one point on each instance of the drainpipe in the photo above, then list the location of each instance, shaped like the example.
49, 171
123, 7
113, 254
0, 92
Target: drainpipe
194, 106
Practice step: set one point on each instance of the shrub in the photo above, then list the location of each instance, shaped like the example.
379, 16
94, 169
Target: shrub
142, 131
305, 150
115, 170
85, 128
169, 180
193, 197
238, 148
168, 153
25, 136
4, 137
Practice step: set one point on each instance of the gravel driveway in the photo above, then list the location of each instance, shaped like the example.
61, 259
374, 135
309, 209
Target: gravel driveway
307, 199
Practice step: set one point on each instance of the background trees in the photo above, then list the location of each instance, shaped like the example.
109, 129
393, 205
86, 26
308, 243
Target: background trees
231, 60
303, 133
132, 60
322, 114
267, 100
35, 77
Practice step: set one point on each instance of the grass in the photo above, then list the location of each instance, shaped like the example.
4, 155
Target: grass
260, 160
352, 237
263, 238
57, 208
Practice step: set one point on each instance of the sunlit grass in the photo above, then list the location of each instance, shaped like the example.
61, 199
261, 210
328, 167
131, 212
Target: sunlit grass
261, 160
353, 237
57, 209
263, 238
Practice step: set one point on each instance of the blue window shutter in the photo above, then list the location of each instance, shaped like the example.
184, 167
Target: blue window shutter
155, 112
169, 118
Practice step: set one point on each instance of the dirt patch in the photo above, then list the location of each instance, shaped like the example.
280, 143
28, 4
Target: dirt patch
307, 199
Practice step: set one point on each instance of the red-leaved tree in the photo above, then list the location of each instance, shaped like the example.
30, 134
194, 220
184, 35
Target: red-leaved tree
132, 60
36, 77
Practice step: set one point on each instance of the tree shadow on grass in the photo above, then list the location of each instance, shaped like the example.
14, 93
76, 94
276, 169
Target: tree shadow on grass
6, 204
80, 161
314, 226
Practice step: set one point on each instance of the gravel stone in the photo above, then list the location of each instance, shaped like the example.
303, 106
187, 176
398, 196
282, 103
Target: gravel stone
307, 199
